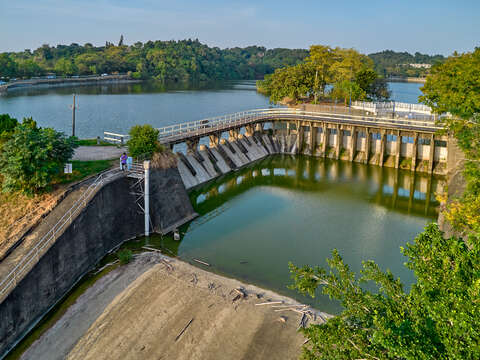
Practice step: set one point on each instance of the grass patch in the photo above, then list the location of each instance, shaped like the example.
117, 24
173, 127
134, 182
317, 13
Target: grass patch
93, 142
406, 163
82, 169
125, 256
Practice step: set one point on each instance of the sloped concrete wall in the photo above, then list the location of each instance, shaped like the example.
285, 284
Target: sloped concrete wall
225, 157
110, 218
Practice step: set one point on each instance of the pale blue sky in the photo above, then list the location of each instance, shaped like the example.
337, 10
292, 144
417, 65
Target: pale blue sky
428, 26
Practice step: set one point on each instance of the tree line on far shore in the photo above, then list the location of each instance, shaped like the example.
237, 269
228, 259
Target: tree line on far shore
184, 60
173, 61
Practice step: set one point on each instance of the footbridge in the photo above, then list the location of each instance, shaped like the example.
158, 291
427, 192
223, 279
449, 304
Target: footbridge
411, 142
179, 133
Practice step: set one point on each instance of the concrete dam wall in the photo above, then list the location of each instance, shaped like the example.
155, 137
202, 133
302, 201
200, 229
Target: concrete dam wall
400, 150
111, 217
206, 163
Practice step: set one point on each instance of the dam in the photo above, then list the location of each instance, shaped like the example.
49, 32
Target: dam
213, 149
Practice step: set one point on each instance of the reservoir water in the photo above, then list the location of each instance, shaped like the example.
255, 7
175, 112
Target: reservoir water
254, 222
117, 107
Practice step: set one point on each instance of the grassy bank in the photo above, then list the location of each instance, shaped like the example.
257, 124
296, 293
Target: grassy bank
83, 169
93, 142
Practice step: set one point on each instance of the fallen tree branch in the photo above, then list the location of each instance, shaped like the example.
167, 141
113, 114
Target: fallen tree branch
183, 330
151, 249
270, 303
201, 262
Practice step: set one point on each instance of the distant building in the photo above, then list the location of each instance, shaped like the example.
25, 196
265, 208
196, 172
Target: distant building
418, 66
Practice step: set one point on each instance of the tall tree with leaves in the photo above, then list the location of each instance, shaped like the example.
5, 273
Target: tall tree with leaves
32, 157
454, 87
322, 58
143, 141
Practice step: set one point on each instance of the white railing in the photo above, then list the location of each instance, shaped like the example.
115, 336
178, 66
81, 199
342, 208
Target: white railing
115, 138
181, 132
390, 106
31, 258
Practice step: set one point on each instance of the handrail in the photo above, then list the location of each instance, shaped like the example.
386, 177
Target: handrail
34, 254
209, 125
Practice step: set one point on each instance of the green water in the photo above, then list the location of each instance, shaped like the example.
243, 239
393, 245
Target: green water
284, 208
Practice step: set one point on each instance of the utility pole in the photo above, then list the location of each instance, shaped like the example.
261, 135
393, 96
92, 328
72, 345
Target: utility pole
146, 167
73, 107
316, 85
351, 79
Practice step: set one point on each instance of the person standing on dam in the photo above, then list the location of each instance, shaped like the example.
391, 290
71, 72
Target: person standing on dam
123, 161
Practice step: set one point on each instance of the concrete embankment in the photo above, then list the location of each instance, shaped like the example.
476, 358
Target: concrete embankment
418, 80
108, 219
90, 80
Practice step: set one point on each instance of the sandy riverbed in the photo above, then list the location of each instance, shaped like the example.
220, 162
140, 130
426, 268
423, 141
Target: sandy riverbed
138, 311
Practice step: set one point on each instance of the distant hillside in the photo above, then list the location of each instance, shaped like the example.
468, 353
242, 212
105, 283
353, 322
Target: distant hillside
391, 63
185, 60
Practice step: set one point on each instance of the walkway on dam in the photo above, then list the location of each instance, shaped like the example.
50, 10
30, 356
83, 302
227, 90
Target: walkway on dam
179, 133
89, 153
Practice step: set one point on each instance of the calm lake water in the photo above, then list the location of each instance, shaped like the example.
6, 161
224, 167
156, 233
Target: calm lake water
117, 107
298, 209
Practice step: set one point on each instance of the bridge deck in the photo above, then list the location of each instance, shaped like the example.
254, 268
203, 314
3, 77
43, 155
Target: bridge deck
179, 133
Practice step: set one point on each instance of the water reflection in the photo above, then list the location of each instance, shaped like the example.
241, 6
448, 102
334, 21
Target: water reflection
394, 189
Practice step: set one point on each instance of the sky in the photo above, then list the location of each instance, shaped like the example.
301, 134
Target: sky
427, 26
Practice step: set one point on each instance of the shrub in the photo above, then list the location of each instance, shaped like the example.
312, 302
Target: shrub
7, 126
32, 157
143, 141
125, 256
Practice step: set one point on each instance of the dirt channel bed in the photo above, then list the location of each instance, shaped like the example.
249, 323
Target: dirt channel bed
139, 311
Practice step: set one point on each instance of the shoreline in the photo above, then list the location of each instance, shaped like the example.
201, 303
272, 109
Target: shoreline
47, 83
83, 331
407, 80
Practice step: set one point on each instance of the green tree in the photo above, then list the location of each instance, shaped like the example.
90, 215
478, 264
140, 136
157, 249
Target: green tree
454, 87
143, 141
322, 58
347, 90
292, 82
7, 124
8, 66
7, 127
32, 157
350, 73
65, 67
